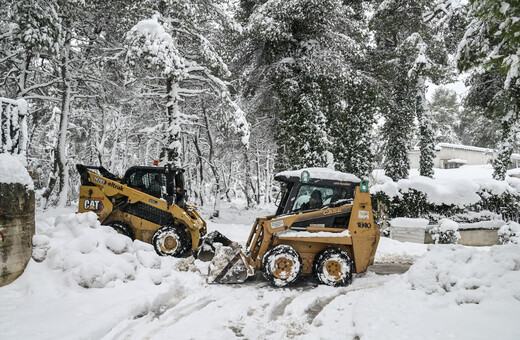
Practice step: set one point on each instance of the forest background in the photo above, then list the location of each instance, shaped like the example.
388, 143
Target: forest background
236, 90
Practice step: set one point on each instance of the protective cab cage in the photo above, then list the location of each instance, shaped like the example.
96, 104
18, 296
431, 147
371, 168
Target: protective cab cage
341, 192
162, 182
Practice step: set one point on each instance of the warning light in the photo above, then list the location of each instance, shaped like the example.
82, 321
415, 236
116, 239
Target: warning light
156, 162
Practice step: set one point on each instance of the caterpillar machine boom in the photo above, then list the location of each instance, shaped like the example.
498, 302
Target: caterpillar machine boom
147, 204
324, 225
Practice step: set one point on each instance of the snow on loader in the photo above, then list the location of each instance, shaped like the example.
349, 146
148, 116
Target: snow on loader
324, 225
147, 204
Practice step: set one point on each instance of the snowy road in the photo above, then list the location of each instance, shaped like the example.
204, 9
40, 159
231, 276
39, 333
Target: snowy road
93, 283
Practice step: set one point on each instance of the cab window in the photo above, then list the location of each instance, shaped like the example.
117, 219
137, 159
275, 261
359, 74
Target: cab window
314, 197
148, 182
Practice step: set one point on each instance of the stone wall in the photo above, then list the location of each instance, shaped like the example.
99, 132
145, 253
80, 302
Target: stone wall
473, 237
16, 230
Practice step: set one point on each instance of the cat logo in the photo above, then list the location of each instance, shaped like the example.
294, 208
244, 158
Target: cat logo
93, 205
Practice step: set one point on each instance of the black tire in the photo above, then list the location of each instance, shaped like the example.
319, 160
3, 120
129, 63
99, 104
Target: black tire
123, 229
282, 265
333, 267
170, 241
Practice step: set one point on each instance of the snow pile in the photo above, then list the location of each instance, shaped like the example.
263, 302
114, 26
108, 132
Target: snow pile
452, 292
446, 232
467, 275
403, 222
92, 255
321, 173
12, 170
509, 233
393, 251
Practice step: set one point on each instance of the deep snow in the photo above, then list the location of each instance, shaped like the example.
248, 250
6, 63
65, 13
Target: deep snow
449, 292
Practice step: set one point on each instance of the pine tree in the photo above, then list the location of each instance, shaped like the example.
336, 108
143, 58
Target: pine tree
446, 116
490, 45
408, 52
301, 62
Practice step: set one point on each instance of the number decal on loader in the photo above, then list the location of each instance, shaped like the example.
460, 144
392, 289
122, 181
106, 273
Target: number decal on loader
364, 225
93, 205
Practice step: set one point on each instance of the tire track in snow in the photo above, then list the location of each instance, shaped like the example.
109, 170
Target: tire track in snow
181, 311
362, 283
279, 309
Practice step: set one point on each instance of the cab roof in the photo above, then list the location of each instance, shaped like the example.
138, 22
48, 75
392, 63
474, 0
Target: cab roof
317, 175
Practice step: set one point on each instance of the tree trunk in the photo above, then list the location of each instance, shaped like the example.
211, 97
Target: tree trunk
115, 145
200, 168
507, 142
427, 142
267, 196
61, 171
173, 141
258, 179
212, 166
247, 183
61, 150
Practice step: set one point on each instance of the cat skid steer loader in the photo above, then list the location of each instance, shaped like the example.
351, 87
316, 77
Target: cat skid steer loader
324, 226
146, 204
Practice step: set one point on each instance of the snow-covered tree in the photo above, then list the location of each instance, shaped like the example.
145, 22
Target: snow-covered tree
188, 77
300, 61
490, 48
445, 109
409, 51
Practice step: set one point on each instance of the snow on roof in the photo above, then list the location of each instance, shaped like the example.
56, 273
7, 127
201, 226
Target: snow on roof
464, 147
12, 170
457, 160
322, 173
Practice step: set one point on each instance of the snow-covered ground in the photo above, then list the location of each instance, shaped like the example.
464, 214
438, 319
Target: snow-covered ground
92, 283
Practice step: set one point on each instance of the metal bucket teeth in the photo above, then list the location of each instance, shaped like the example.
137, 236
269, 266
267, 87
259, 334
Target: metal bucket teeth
206, 250
234, 272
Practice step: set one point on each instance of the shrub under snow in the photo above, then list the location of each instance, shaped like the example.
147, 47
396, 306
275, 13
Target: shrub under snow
447, 232
509, 233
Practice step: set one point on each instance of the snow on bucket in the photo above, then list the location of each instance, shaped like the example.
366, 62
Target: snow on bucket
16, 218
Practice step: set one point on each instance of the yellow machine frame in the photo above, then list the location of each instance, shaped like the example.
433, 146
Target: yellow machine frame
107, 191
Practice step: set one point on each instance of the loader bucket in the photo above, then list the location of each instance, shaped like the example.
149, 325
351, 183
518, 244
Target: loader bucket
236, 270
206, 250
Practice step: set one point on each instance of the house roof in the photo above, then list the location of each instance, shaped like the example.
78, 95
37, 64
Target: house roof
464, 147
440, 146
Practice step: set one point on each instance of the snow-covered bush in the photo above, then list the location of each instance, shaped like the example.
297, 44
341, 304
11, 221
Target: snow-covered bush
447, 232
464, 202
509, 233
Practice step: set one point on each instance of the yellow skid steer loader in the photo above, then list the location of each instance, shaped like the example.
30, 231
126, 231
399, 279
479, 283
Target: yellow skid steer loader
324, 226
147, 204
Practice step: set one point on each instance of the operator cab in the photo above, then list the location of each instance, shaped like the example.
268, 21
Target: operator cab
161, 182
313, 189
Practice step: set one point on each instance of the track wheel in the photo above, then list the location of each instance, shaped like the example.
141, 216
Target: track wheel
333, 267
170, 241
122, 228
282, 265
